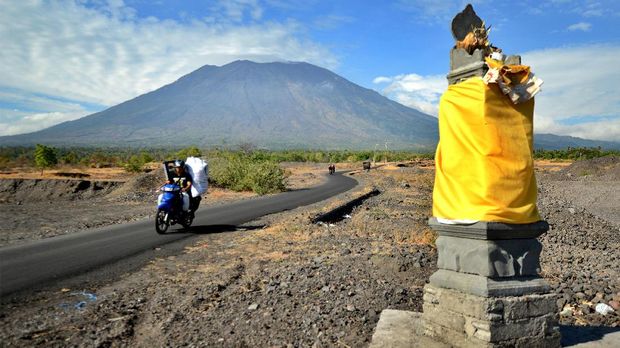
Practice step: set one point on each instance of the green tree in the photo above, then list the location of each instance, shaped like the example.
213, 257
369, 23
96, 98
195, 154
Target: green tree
44, 157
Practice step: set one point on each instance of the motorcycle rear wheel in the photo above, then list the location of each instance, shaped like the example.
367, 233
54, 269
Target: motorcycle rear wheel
161, 221
187, 220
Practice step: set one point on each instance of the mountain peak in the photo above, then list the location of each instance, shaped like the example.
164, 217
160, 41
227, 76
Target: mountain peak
273, 105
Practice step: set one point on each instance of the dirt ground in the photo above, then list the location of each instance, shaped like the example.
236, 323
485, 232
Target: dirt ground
285, 281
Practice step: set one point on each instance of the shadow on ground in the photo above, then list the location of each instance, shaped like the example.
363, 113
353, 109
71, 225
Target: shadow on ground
574, 335
210, 229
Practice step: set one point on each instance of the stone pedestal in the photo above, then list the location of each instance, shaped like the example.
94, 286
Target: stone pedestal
487, 291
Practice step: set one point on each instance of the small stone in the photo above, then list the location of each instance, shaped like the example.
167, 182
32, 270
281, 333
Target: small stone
561, 303
571, 210
350, 308
599, 297
253, 307
585, 309
614, 304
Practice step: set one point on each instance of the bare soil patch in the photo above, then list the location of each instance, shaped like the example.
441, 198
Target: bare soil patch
78, 172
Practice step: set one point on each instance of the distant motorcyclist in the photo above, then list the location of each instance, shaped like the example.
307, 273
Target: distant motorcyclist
184, 180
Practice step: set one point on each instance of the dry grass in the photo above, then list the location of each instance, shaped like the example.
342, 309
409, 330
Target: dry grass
81, 173
551, 165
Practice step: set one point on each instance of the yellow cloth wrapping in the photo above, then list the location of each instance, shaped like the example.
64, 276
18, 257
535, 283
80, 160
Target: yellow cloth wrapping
484, 165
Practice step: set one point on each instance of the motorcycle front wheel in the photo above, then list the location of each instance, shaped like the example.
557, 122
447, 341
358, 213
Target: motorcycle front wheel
161, 221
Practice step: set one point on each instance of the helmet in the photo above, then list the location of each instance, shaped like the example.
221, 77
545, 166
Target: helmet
178, 163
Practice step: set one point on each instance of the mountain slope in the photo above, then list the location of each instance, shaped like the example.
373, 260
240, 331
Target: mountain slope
274, 105
560, 142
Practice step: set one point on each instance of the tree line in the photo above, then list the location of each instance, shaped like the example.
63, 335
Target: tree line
134, 158
242, 169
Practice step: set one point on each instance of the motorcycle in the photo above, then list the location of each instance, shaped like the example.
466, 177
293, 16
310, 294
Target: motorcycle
170, 209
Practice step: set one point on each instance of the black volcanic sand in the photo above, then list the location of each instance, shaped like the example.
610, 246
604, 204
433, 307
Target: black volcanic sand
283, 281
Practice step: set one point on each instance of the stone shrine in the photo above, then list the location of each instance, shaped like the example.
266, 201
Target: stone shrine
487, 291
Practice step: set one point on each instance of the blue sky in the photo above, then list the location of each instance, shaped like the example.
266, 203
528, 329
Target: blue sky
62, 60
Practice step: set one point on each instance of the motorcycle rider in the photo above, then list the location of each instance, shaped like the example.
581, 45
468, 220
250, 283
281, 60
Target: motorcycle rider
183, 179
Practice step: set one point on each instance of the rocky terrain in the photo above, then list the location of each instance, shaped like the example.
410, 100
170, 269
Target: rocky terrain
285, 280
581, 254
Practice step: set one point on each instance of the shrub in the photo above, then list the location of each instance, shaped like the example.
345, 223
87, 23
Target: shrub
146, 157
135, 164
4, 162
266, 177
191, 151
69, 158
240, 172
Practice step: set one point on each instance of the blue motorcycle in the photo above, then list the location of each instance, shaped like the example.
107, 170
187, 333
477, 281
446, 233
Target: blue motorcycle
170, 209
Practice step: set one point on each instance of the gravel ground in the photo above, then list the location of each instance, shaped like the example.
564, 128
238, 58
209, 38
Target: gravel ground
581, 254
284, 281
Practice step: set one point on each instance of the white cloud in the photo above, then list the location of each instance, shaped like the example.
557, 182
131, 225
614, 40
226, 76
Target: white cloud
580, 96
332, 21
419, 92
580, 82
573, 8
436, 11
581, 26
27, 123
238, 10
105, 55
381, 79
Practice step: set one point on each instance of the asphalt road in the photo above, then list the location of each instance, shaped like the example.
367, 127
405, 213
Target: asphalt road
37, 263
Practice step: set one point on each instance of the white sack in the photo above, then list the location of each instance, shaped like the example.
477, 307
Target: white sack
199, 170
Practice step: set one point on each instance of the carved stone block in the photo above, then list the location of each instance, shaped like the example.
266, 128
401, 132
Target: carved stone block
489, 258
